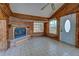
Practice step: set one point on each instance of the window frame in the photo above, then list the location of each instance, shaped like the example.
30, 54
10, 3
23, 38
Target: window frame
50, 27
41, 24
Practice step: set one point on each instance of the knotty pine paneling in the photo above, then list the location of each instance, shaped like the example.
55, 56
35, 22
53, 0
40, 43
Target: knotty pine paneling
77, 29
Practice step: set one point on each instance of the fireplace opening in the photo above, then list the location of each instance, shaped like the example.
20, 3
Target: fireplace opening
19, 32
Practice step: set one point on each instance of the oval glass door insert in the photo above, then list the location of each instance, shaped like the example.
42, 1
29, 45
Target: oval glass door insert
67, 26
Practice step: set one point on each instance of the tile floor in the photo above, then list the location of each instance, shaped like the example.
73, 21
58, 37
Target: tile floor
42, 46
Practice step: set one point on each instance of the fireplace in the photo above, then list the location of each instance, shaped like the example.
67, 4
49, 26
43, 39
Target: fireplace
19, 32
20, 35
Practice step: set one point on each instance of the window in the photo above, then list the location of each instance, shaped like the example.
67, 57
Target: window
38, 26
53, 26
67, 26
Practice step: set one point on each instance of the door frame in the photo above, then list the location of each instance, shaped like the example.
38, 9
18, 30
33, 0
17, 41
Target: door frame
76, 32
58, 28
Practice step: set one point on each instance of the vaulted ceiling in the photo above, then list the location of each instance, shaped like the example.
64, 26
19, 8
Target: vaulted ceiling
39, 11
35, 9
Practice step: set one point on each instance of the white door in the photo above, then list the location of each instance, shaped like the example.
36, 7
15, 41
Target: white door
68, 29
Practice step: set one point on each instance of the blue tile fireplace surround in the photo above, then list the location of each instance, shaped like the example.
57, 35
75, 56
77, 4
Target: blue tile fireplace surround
19, 32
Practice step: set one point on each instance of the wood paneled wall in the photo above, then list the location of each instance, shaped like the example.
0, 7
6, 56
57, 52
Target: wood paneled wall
58, 28
66, 9
46, 28
3, 35
26, 17
5, 9
3, 30
77, 29
5, 13
30, 27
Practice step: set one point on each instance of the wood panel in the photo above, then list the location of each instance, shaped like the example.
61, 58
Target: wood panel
66, 9
77, 29
2, 15
26, 17
30, 27
3, 35
58, 29
5, 9
3, 28
46, 28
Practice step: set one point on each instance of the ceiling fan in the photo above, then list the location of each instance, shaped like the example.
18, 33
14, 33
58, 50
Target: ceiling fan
52, 6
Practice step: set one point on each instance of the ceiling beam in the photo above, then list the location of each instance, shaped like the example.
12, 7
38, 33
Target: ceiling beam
66, 9
28, 17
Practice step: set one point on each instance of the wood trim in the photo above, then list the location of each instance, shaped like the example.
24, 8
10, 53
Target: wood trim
58, 29
46, 28
8, 40
5, 9
4, 16
30, 17
23, 23
61, 8
77, 29
66, 9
